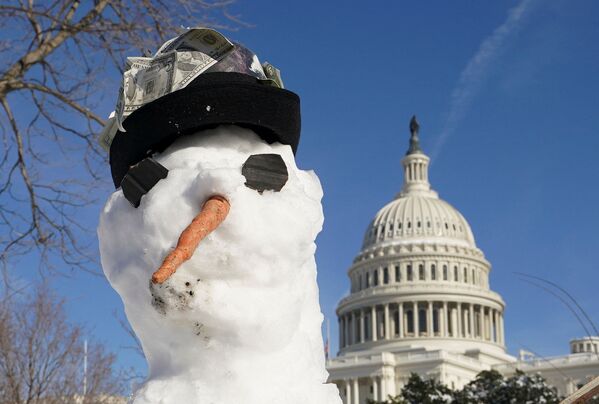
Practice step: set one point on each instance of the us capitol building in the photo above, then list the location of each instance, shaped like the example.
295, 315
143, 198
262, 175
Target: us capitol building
420, 301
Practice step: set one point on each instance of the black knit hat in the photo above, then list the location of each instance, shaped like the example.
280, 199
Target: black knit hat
221, 95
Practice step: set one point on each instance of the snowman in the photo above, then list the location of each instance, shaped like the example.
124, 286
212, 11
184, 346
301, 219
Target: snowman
209, 236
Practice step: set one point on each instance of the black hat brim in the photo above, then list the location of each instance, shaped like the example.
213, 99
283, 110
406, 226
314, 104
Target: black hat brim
210, 100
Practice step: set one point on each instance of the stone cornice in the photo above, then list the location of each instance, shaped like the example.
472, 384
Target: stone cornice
409, 293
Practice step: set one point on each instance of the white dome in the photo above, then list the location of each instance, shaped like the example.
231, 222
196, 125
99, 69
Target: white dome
411, 218
418, 286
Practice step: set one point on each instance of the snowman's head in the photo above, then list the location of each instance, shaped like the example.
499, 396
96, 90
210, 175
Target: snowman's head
209, 135
240, 287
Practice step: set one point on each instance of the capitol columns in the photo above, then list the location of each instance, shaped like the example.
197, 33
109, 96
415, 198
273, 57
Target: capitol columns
353, 327
489, 318
471, 321
495, 325
502, 342
485, 325
445, 320
481, 322
373, 321
401, 320
459, 322
356, 392
362, 315
347, 392
415, 319
345, 330
429, 319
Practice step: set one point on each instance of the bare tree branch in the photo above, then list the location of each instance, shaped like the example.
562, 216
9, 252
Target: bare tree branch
41, 354
58, 61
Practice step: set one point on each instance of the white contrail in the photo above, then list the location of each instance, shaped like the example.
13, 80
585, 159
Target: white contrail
476, 70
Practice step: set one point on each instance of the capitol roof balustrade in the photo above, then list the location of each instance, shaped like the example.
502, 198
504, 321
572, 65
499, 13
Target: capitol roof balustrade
561, 362
401, 358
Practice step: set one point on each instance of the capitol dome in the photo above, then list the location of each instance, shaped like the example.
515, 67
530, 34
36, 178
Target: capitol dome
409, 218
419, 286
420, 302
417, 213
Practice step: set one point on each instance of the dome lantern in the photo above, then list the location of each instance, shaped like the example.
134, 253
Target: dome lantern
415, 165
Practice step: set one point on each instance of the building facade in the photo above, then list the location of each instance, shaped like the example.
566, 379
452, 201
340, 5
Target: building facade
568, 372
420, 299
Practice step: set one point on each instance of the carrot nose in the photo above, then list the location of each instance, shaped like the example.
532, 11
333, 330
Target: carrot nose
213, 212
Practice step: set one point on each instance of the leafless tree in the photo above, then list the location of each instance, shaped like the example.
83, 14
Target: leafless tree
58, 61
42, 354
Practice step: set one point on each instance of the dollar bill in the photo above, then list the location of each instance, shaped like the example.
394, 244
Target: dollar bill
137, 62
205, 40
189, 66
273, 74
132, 66
145, 80
174, 66
108, 133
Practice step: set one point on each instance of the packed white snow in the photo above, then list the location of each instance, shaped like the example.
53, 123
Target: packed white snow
239, 323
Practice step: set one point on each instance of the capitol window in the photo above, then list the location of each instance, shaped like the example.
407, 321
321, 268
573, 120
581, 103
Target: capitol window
397, 274
433, 272
367, 279
444, 272
455, 273
421, 272
409, 275
422, 322
376, 278
410, 321
465, 275
385, 275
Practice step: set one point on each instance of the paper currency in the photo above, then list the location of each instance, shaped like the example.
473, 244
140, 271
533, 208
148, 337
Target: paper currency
273, 74
144, 82
205, 40
108, 133
174, 66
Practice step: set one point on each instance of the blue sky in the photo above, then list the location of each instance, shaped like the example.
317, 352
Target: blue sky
507, 95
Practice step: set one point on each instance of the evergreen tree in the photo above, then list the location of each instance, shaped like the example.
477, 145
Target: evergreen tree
419, 391
490, 387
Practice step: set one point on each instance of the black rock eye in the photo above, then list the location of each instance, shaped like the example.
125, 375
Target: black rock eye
265, 172
141, 178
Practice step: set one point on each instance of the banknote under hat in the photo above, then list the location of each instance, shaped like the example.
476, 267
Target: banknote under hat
231, 92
